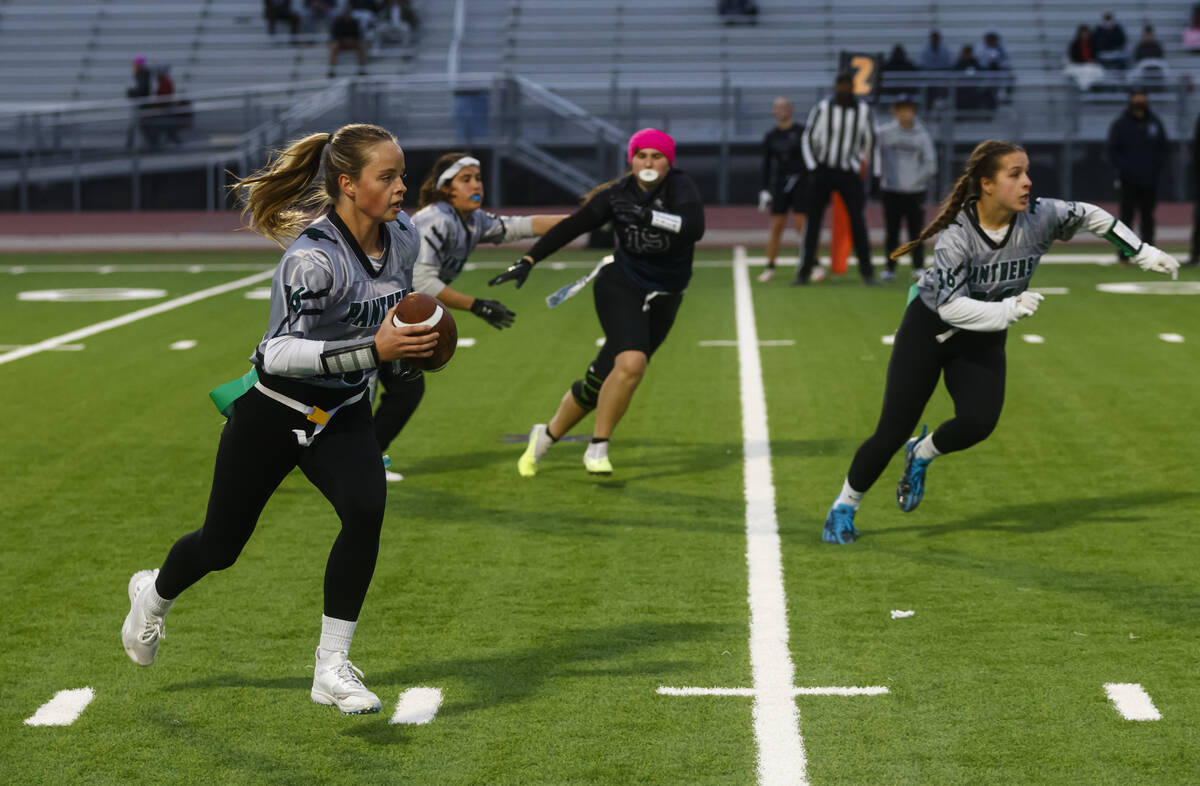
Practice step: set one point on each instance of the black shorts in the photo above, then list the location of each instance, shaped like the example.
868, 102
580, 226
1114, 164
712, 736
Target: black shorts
632, 317
790, 193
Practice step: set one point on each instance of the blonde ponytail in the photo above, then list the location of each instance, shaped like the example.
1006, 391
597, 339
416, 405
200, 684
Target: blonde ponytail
983, 162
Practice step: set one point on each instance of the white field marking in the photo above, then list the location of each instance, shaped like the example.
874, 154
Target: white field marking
600, 341
888, 340
59, 348
1131, 700
1151, 288
772, 342
466, 342
133, 316
91, 295
1049, 259
868, 690
258, 293
558, 266
417, 706
1051, 290
1033, 338
187, 343
218, 267
776, 717
63, 709
898, 614
1171, 338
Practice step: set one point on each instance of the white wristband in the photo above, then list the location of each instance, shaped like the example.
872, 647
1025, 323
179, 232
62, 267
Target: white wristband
667, 221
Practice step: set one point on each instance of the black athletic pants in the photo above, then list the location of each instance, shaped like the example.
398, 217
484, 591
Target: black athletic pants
1139, 199
398, 400
974, 367
821, 185
257, 450
632, 317
900, 206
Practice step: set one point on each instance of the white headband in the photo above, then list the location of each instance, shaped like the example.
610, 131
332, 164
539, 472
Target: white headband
455, 168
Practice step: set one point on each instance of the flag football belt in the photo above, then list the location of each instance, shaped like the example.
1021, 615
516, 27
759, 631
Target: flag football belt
570, 290
314, 414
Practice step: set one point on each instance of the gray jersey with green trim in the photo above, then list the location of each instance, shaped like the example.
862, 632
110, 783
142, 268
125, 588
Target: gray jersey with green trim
326, 289
968, 263
447, 239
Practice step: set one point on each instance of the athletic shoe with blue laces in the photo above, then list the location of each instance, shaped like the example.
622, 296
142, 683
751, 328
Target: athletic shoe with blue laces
839, 525
911, 487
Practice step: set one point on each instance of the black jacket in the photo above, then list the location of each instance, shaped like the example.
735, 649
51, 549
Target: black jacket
1137, 147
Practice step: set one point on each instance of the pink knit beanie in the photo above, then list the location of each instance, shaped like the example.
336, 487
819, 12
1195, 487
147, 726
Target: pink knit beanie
652, 137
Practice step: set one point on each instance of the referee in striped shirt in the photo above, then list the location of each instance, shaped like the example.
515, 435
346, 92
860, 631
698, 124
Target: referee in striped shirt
836, 142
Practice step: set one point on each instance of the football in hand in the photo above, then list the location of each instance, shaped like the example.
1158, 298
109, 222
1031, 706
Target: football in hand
417, 308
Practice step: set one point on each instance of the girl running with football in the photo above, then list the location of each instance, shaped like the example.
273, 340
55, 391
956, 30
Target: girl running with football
451, 225
304, 404
992, 236
657, 218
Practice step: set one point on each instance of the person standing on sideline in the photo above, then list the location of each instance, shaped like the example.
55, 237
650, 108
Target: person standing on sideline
1194, 254
657, 218
784, 180
837, 140
990, 237
304, 403
1137, 148
904, 163
451, 225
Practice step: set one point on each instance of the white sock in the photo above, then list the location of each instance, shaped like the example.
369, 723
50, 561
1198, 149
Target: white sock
926, 449
543, 443
335, 635
155, 603
597, 450
849, 496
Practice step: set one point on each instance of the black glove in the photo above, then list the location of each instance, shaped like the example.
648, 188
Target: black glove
518, 272
493, 312
627, 211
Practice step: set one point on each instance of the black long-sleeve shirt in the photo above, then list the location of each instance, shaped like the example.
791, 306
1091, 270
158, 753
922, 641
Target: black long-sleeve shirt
653, 258
783, 155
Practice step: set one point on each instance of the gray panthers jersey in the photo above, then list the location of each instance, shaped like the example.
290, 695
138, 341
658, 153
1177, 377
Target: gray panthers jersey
326, 289
968, 263
447, 240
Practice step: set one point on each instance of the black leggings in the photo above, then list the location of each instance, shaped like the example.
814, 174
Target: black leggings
257, 451
910, 208
398, 400
974, 366
632, 317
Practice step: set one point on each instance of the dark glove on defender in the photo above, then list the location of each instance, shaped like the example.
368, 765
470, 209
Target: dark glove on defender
627, 211
493, 312
518, 272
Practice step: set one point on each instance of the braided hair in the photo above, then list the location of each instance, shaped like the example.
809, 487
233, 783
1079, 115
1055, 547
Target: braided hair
984, 162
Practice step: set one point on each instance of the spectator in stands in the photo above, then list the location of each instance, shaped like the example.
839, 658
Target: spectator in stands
733, 11
992, 55
281, 11
141, 90
935, 56
894, 70
1081, 49
1148, 48
346, 36
1108, 40
166, 119
317, 14
1138, 149
1191, 36
398, 21
968, 95
905, 161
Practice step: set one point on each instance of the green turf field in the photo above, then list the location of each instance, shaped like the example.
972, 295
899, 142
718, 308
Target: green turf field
1057, 556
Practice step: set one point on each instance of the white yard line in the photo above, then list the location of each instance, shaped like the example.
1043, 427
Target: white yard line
832, 690
63, 709
776, 719
1132, 701
132, 316
417, 706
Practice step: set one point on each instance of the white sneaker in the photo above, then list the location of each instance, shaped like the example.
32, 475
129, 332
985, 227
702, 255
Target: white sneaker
887, 275
766, 275
539, 443
818, 273
338, 682
595, 459
392, 477
142, 631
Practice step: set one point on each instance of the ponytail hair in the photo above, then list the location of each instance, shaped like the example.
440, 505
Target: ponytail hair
284, 196
983, 162
430, 192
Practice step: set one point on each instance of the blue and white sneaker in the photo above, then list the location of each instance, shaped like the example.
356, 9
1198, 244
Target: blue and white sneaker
911, 487
839, 525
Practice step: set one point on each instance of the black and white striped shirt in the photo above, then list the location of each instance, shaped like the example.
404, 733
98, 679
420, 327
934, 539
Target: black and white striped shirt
838, 137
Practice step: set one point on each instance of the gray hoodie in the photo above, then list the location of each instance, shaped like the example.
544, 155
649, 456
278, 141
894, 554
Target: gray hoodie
904, 158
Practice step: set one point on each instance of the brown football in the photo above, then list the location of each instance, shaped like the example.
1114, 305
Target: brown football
417, 308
